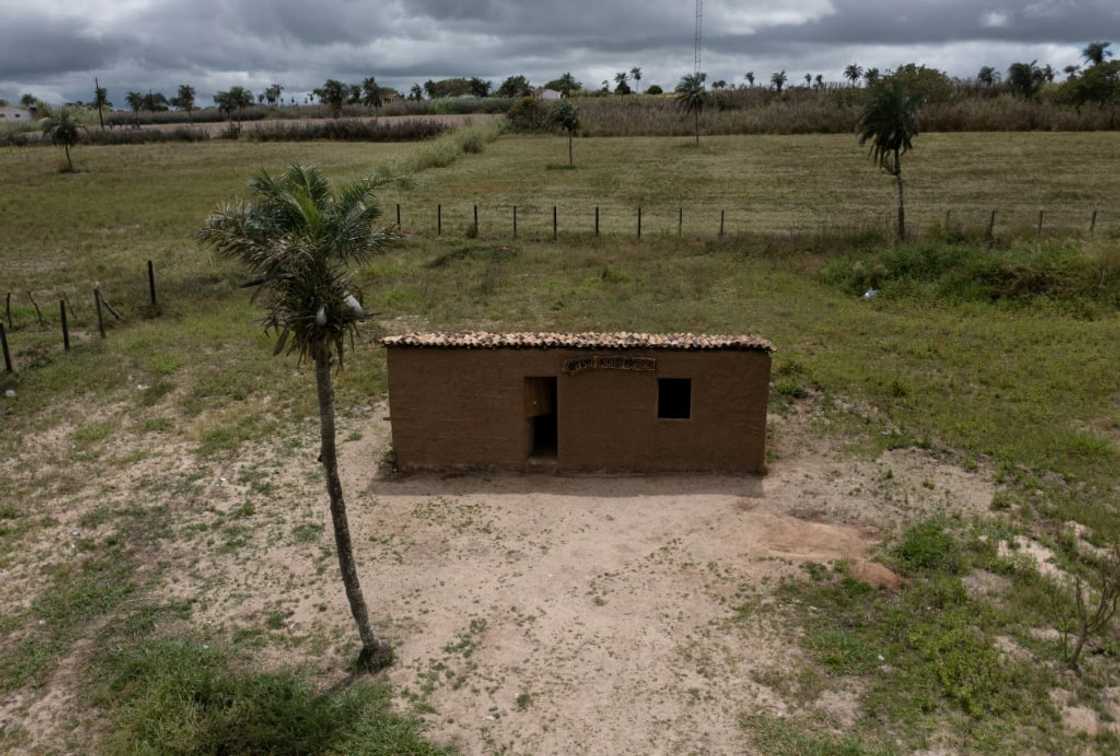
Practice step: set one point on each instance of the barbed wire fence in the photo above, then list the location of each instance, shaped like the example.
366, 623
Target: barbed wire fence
82, 307
79, 309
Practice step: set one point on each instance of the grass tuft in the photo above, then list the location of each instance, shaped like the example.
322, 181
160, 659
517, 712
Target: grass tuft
185, 697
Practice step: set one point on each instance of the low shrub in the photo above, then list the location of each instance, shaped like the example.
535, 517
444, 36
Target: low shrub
471, 143
448, 148
527, 115
1062, 272
440, 106
143, 136
929, 546
203, 115
349, 130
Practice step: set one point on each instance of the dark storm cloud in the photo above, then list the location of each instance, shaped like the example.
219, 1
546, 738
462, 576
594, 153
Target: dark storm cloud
32, 47
54, 49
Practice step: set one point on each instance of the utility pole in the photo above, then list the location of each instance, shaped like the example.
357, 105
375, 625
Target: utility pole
699, 41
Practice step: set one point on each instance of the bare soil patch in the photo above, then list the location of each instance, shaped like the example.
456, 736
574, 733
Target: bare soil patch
538, 614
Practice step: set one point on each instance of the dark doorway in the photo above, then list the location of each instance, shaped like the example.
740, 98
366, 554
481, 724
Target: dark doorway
540, 409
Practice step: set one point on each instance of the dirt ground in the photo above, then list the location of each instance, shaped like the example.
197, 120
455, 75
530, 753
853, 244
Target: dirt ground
530, 614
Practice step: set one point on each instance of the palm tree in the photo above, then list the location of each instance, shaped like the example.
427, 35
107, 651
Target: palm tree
987, 76
135, 101
273, 93
808, 80
566, 117
890, 122
818, 82
371, 93
100, 101
636, 75
1097, 52
779, 80
853, 73
63, 131
871, 76
749, 76
241, 98
334, 92
185, 99
621, 86
691, 97
1071, 72
1025, 79
296, 237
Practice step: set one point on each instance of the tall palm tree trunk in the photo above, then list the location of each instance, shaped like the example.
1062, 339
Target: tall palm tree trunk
69, 162
698, 127
376, 653
901, 207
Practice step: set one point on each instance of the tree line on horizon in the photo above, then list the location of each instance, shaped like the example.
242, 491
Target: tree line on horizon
1097, 81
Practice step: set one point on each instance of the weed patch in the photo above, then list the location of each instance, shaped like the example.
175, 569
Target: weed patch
928, 654
187, 697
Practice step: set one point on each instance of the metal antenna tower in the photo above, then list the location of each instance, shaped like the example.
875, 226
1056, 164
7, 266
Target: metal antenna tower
699, 43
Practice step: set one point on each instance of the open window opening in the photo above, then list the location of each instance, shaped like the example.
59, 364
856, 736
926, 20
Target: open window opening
540, 408
674, 398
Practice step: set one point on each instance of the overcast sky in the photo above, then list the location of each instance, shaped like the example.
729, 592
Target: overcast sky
54, 48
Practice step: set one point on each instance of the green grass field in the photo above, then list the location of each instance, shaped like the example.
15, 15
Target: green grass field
772, 184
1027, 386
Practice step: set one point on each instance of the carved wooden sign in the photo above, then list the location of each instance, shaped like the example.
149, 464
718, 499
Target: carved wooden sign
610, 362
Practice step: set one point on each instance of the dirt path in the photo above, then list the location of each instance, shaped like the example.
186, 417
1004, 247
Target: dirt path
532, 614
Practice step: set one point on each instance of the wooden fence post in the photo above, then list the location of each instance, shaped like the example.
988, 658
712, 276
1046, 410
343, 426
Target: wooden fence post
439, 220
38, 312
639, 222
555, 230
680, 221
8, 308
476, 221
992, 227
152, 283
398, 215
596, 220
7, 354
1041, 215
65, 325
100, 319
515, 221
948, 219
1092, 229
721, 218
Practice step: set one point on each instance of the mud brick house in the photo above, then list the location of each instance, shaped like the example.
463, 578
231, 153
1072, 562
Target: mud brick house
627, 402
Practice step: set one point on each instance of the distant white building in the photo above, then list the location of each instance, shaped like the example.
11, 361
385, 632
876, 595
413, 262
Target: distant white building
9, 114
549, 94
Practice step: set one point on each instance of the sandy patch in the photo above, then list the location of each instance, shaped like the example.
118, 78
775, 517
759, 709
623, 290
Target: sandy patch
1043, 559
536, 614
984, 584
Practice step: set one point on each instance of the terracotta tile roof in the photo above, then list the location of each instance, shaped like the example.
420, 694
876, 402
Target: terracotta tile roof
618, 340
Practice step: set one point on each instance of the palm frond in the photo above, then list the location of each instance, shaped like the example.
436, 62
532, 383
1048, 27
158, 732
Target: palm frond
889, 123
296, 238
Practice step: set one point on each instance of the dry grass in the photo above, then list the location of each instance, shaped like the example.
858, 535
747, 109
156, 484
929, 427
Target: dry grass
179, 452
772, 184
833, 111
